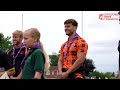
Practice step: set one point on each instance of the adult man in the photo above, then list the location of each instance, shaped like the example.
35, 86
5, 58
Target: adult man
17, 53
5, 62
72, 53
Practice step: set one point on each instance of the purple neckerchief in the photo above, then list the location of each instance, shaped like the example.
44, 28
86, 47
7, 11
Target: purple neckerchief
68, 46
26, 56
14, 57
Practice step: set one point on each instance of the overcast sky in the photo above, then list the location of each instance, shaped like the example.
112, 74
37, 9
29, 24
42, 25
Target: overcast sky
102, 36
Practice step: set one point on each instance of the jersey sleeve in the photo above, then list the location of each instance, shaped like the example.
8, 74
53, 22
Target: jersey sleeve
39, 61
61, 51
82, 47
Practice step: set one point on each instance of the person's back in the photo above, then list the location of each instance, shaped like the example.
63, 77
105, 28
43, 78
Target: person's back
5, 64
5, 61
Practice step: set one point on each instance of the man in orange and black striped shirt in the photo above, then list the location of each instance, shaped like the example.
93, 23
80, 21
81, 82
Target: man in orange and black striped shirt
72, 53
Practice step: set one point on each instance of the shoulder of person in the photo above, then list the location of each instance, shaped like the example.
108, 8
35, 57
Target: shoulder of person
38, 50
81, 40
62, 46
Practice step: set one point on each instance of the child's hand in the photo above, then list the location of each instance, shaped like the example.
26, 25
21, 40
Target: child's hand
11, 77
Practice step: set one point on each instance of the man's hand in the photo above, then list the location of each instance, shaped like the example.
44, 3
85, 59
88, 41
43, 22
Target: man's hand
11, 77
65, 75
60, 74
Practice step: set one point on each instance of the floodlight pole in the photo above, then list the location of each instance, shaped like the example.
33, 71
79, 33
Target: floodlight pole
22, 22
82, 23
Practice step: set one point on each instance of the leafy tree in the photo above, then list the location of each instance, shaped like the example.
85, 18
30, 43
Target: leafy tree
5, 43
88, 66
113, 74
54, 59
102, 75
95, 73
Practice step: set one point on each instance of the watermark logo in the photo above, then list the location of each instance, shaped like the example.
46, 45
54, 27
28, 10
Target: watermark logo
109, 16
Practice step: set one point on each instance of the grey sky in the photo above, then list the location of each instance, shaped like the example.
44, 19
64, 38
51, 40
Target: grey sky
102, 36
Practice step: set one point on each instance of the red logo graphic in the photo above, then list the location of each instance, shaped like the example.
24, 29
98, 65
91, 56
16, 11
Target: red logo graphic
109, 16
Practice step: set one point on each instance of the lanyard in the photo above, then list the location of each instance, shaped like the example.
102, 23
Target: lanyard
68, 46
27, 54
14, 57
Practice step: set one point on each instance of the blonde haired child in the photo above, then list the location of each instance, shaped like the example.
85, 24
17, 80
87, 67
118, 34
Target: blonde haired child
37, 61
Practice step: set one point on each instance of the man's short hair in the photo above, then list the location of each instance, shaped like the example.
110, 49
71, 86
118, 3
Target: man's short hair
72, 21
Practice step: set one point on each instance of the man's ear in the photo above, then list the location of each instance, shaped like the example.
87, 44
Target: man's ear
75, 28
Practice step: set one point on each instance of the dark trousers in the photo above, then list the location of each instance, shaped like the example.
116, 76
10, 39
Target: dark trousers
73, 75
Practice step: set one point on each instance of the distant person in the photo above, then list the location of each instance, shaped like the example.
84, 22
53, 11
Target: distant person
119, 52
119, 59
5, 62
37, 61
72, 53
